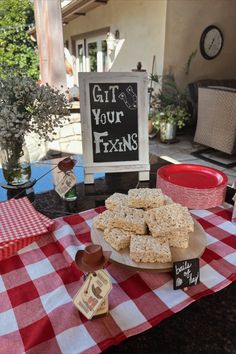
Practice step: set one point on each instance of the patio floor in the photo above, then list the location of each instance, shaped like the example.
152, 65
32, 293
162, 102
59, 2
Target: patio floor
182, 149
179, 151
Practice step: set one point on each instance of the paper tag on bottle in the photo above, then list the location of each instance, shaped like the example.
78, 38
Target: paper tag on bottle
103, 309
93, 293
65, 184
234, 210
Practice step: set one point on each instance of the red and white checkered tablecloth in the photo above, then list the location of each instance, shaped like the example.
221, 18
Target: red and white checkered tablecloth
20, 225
37, 285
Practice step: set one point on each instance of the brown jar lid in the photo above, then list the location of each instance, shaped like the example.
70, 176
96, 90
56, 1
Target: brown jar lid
67, 164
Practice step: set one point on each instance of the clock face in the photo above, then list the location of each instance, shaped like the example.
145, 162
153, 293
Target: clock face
211, 42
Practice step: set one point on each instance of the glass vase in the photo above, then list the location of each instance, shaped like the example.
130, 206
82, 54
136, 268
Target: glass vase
15, 163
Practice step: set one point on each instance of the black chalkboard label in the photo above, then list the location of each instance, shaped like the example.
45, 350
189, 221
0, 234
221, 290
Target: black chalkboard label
114, 121
186, 273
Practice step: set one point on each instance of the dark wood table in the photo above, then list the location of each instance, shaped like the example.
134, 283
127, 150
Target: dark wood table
206, 326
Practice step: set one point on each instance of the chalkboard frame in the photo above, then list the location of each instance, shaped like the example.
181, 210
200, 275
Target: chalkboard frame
142, 164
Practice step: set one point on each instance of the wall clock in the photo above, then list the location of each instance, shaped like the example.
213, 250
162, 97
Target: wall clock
211, 42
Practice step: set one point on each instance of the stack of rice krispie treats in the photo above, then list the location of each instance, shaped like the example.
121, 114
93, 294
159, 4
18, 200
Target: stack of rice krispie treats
146, 221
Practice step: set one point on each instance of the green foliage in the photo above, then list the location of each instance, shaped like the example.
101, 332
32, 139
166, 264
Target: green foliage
154, 78
188, 64
169, 104
26, 107
171, 114
92, 51
17, 50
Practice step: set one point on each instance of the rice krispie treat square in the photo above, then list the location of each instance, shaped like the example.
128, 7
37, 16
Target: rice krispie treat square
101, 220
128, 219
168, 200
115, 200
149, 250
169, 218
117, 238
177, 239
145, 198
179, 242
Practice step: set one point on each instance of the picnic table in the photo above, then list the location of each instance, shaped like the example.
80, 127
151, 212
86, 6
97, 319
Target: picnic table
146, 315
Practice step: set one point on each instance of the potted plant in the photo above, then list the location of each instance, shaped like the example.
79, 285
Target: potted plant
169, 109
26, 107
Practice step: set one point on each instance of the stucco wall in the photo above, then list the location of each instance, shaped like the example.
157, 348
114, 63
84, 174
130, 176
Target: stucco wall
186, 20
140, 22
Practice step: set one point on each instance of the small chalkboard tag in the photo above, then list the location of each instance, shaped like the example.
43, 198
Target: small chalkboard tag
186, 273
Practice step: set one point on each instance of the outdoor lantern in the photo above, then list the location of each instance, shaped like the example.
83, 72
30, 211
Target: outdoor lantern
111, 41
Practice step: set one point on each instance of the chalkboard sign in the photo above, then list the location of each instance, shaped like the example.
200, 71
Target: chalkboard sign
114, 114
186, 273
114, 118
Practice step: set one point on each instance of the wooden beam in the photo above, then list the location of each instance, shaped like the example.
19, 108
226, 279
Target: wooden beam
81, 6
102, 1
67, 11
50, 42
39, 8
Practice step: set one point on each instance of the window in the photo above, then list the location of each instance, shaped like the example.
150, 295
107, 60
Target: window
91, 54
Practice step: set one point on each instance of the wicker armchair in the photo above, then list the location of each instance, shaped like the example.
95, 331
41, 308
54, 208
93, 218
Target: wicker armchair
216, 122
193, 88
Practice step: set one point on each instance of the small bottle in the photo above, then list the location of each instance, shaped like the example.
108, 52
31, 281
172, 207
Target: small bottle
67, 166
71, 195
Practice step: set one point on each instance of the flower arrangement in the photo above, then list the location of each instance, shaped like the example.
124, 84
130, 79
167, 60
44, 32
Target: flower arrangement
27, 107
